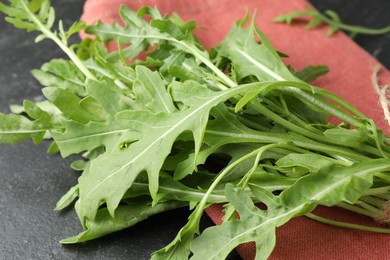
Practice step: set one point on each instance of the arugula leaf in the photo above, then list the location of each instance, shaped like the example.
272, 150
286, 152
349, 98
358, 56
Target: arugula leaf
69, 104
79, 137
310, 73
150, 91
16, 128
332, 19
126, 216
61, 73
304, 163
249, 58
68, 198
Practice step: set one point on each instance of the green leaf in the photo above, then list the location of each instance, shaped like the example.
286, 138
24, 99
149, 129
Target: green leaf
76, 27
69, 104
269, 181
332, 30
338, 184
304, 163
15, 12
68, 198
78, 165
310, 73
249, 58
53, 148
109, 96
122, 75
224, 129
169, 189
150, 90
16, 128
168, 27
79, 137
63, 74
90, 105
350, 137
288, 18
333, 15
316, 21
34, 111
126, 216
21, 25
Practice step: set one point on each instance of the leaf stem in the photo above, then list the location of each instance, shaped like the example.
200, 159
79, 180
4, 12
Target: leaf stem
357, 209
383, 176
368, 206
373, 201
354, 28
347, 225
377, 191
267, 137
60, 44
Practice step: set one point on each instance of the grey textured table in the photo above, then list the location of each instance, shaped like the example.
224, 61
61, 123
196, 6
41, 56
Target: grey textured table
31, 181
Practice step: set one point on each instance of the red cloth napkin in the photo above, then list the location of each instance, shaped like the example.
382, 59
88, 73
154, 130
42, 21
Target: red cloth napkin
350, 70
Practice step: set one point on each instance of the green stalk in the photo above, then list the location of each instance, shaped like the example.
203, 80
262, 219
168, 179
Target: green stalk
376, 202
281, 121
385, 196
303, 131
377, 191
357, 209
268, 137
383, 176
368, 207
356, 29
347, 225
60, 44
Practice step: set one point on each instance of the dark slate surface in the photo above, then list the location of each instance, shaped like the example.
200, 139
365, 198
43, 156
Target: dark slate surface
32, 181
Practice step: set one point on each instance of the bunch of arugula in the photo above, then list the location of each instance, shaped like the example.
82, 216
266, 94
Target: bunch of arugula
189, 128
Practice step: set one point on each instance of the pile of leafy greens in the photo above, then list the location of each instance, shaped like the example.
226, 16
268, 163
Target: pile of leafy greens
185, 127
